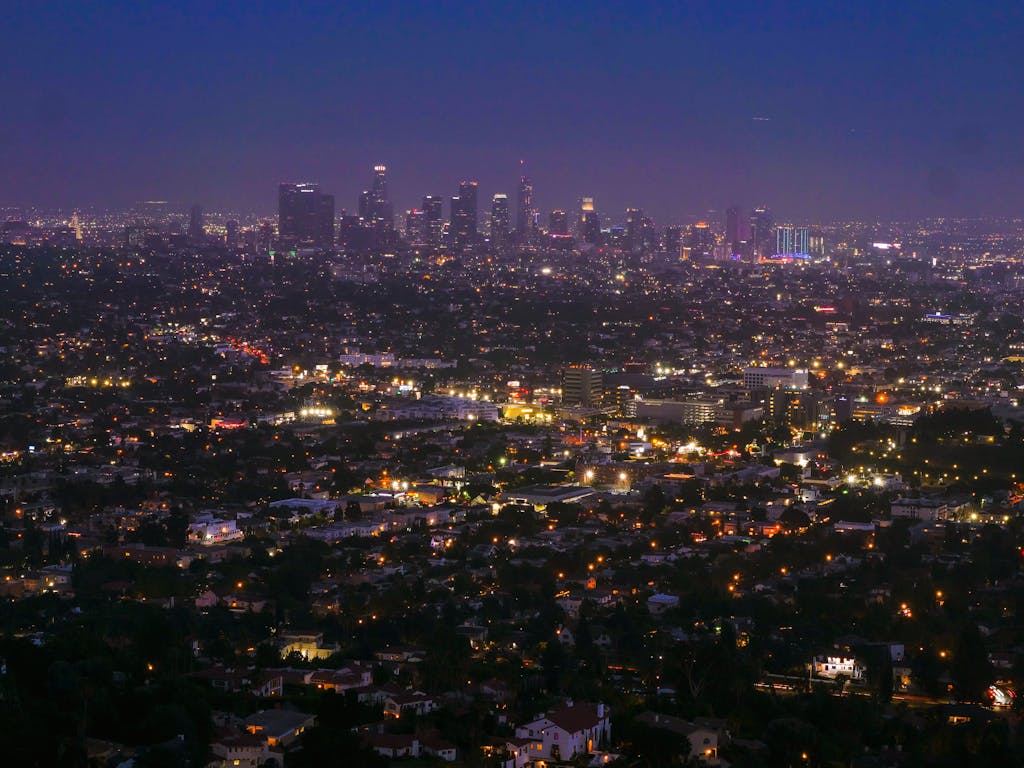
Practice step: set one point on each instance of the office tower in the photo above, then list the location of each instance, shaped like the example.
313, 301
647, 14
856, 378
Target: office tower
365, 208
634, 226
672, 240
558, 223
264, 238
231, 239
305, 215
76, 226
195, 225
433, 212
589, 226
625, 401
416, 231
737, 231
378, 205
796, 409
464, 215
762, 232
525, 213
701, 240
792, 241
357, 234
581, 385
380, 183
500, 220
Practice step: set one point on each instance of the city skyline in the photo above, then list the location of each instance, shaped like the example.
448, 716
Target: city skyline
406, 385
675, 110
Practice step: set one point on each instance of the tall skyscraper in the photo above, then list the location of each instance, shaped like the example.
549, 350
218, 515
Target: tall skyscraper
380, 208
500, 220
416, 231
672, 240
589, 223
737, 231
433, 212
634, 229
464, 215
365, 209
380, 183
305, 215
265, 238
701, 240
525, 212
558, 223
792, 241
195, 225
762, 232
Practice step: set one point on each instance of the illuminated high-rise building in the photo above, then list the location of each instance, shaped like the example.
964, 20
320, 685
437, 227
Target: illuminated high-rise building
433, 212
525, 212
558, 223
365, 205
634, 229
305, 215
737, 231
792, 241
589, 222
762, 232
380, 183
416, 231
581, 385
464, 215
379, 206
500, 220
672, 240
701, 240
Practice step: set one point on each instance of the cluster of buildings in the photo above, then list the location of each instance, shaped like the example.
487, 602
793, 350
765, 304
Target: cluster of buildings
445, 476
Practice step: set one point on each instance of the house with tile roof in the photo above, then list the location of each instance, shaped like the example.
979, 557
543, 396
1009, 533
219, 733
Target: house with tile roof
563, 734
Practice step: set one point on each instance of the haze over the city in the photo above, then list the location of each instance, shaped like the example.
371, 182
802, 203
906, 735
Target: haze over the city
867, 110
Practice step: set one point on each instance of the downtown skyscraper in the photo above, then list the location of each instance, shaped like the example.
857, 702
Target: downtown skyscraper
500, 222
432, 207
305, 215
464, 216
526, 214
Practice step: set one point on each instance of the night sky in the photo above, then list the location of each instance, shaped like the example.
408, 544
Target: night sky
874, 109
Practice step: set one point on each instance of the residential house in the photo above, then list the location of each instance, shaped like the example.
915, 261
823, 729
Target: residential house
568, 732
280, 727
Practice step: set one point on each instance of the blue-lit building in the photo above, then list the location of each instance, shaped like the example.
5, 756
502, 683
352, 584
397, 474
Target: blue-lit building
792, 241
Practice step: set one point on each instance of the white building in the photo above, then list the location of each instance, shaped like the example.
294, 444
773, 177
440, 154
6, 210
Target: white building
775, 378
920, 509
209, 530
567, 733
831, 667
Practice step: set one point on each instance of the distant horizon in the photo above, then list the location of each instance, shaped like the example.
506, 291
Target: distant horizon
867, 112
178, 207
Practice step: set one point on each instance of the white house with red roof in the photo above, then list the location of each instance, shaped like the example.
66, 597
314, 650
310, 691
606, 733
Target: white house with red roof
566, 733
